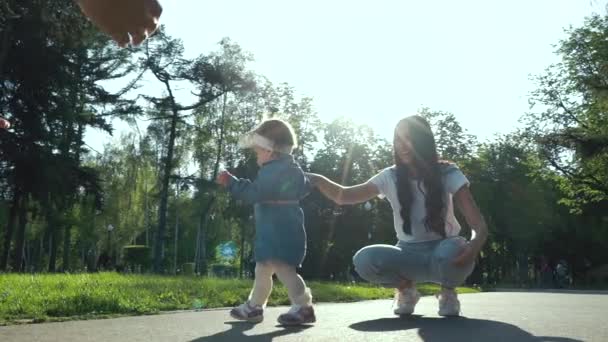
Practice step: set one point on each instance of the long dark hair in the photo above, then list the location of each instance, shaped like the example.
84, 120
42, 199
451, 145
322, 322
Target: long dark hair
428, 170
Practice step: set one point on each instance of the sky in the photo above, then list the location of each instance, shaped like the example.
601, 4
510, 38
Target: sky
376, 62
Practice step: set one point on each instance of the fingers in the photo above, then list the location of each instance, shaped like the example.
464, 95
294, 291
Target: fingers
126, 21
459, 262
141, 30
151, 26
121, 37
139, 36
154, 8
149, 23
466, 256
463, 258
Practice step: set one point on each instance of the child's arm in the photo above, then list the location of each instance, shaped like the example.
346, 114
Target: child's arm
244, 189
121, 18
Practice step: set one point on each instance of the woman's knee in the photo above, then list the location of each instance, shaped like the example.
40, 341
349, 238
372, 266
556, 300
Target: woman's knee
364, 258
371, 260
361, 263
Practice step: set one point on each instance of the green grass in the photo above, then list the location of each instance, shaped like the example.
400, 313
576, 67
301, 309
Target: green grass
52, 297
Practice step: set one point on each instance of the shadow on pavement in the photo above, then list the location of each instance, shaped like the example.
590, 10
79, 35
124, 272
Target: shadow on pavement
561, 291
434, 329
238, 329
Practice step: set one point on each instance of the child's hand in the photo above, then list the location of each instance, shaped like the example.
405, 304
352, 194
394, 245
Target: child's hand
223, 178
4, 124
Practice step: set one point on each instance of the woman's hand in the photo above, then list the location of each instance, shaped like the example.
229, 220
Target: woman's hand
466, 256
126, 21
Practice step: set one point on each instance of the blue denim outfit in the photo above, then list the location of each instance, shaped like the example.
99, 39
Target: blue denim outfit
279, 219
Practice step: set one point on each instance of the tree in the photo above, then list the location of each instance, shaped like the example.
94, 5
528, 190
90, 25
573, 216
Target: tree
50, 104
453, 141
572, 127
350, 155
213, 78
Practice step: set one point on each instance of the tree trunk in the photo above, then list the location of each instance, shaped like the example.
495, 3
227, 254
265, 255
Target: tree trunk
220, 143
242, 256
197, 248
66, 248
146, 214
164, 194
168, 165
39, 254
5, 38
202, 235
201, 245
175, 238
52, 243
10, 227
20, 238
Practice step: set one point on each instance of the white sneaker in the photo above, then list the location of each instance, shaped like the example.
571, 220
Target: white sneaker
449, 305
405, 301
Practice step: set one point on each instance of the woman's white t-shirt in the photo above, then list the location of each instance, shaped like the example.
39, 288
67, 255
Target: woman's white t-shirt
386, 182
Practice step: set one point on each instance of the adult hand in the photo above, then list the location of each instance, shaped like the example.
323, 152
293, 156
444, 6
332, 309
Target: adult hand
466, 256
124, 20
467, 206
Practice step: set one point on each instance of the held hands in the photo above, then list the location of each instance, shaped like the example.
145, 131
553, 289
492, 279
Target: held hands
223, 178
126, 21
312, 178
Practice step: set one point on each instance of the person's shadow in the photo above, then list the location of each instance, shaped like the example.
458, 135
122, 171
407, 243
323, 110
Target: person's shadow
237, 333
434, 329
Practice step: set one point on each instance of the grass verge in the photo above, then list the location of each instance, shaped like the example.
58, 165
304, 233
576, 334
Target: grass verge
28, 298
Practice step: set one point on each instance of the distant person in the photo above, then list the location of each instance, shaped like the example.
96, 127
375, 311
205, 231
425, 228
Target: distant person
545, 272
561, 274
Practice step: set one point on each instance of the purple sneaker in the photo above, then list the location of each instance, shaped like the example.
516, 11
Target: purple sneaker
298, 315
247, 312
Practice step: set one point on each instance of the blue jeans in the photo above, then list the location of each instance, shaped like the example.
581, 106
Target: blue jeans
428, 261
